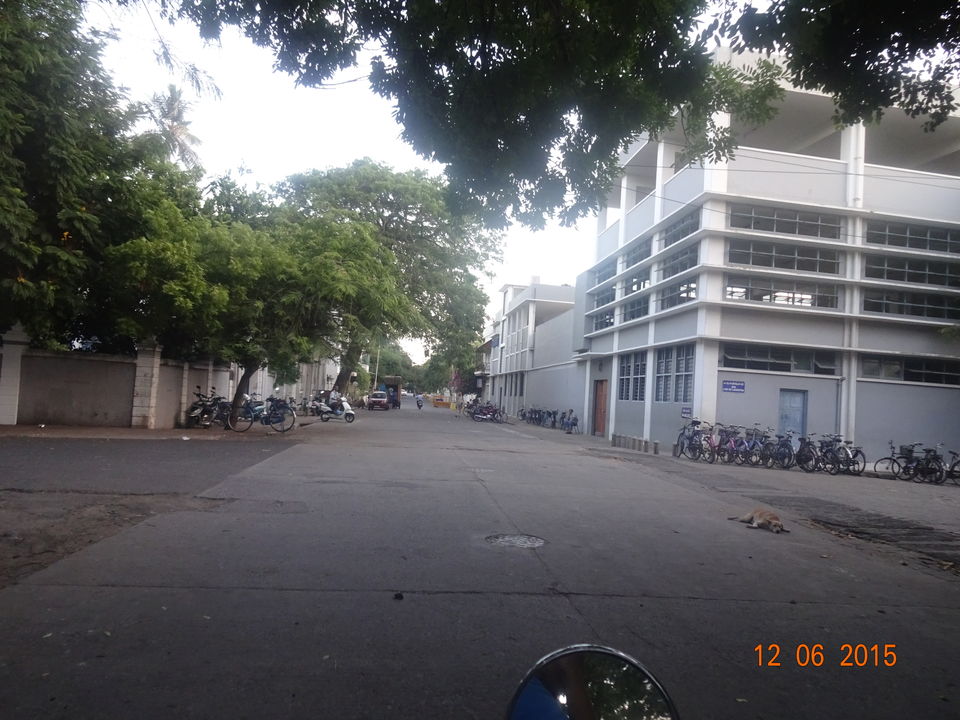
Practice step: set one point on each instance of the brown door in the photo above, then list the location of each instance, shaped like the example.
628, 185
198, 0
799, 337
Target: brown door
600, 407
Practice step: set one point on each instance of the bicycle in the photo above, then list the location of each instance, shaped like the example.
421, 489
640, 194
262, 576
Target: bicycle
930, 468
953, 471
276, 413
688, 441
889, 465
850, 458
807, 457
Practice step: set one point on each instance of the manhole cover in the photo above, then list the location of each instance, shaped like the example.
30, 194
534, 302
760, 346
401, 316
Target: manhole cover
524, 541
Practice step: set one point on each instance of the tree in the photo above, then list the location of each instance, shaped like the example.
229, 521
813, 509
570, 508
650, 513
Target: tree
528, 103
168, 112
435, 249
64, 158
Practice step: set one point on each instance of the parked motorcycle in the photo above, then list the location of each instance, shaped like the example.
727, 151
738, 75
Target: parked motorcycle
204, 409
487, 412
344, 411
590, 681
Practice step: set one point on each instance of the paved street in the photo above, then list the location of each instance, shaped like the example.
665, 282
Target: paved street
345, 571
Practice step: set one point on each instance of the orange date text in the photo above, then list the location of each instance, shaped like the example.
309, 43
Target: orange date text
848, 655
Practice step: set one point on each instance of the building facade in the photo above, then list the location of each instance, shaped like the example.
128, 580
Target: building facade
803, 284
532, 363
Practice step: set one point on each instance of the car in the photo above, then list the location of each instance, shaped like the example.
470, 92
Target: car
378, 399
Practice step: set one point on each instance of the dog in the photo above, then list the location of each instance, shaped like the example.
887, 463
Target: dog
764, 519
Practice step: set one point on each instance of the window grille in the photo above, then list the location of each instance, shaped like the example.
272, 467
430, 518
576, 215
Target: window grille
677, 231
785, 220
784, 257
913, 270
935, 371
680, 261
927, 305
919, 237
674, 295
782, 292
778, 359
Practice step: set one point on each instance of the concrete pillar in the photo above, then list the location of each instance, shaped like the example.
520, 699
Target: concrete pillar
145, 387
15, 341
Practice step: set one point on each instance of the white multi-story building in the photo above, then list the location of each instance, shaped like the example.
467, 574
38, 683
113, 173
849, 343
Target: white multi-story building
804, 283
531, 352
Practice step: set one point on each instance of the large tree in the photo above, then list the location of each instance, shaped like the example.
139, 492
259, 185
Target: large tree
64, 153
528, 103
437, 251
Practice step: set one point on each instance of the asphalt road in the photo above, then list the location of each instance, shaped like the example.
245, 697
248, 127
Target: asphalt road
349, 575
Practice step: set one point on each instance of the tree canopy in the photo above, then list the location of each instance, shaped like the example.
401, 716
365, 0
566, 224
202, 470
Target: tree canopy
528, 103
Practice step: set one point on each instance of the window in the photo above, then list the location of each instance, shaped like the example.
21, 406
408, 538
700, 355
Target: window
678, 294
633, 376
636, 309
664, 374
913, 270
683, 380
895, 302
680, 261
604, 297
782, 292
785, 220
605, 272
603, 320
784, 257
778, 359
677, 231
636, 282
920, 237
935, 371
674, 380
640, 251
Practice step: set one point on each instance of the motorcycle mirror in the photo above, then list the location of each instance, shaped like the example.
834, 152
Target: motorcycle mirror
585, 682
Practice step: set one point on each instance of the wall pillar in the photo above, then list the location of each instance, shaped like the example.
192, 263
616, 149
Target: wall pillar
145, 387
15, 341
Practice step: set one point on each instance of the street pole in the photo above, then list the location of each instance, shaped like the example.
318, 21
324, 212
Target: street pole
376, 371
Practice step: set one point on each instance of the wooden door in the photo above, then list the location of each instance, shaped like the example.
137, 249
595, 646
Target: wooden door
600, 407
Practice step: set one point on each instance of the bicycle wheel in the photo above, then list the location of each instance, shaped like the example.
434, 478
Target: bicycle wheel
936, 472
887, 466
708, 453
830, 462
858, 461
692, 450
806, 459
243, 421
784, 457
282, 419
953, 473
679, 445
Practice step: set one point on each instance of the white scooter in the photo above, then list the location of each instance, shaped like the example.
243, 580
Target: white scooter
590, 681
346, 412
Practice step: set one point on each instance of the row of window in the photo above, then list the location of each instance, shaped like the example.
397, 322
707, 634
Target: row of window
640, 251
788, 292
801, 223
674, 368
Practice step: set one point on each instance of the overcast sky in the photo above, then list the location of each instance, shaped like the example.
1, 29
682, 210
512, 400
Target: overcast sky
266, 124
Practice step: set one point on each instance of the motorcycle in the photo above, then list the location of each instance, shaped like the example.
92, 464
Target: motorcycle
204, 409
590, 681
487, 412
344, 411
419, 403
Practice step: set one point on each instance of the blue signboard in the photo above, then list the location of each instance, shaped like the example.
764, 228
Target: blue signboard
737, 386
686, 412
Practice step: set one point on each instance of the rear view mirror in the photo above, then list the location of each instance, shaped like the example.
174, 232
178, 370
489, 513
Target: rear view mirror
586, 682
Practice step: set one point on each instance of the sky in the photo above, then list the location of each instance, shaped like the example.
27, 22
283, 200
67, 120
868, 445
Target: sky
266, 124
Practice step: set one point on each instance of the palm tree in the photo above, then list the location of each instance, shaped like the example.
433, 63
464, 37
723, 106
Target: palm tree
168, 111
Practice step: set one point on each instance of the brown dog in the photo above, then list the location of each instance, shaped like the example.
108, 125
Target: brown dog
765, 519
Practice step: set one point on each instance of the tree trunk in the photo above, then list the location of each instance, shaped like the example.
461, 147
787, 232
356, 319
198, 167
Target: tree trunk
348, 365
243, 386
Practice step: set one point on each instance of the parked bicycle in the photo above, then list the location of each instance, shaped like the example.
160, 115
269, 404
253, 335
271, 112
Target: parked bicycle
275, 412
